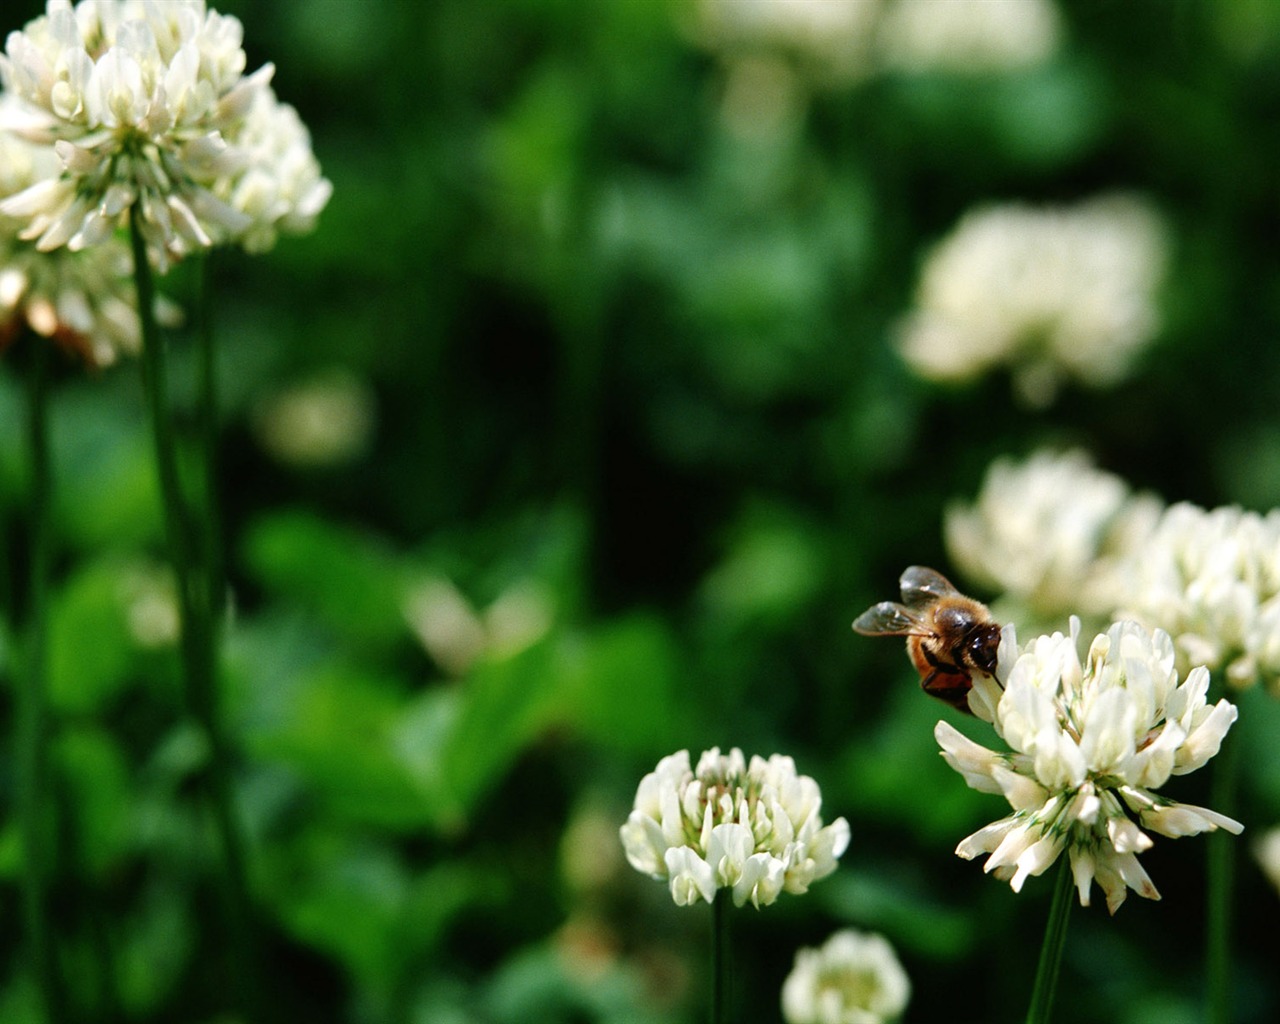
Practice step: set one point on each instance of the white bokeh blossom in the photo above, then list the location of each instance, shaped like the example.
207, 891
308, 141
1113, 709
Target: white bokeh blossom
852, 978
1211, 579
970, 36
755, 829
1048, 533
1091, 743
1267, 853
147, 107
1050, 293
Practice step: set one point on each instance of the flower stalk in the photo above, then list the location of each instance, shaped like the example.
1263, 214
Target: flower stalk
1055, 938
190, 552
32, 725
1221, 890
720, 958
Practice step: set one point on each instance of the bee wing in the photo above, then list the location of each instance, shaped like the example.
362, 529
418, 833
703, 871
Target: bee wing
922, 586
888, 618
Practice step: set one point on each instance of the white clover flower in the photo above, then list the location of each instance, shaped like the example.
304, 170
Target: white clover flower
1048, 532
139, 100
852, 978
1051, 293
1211, 579
753, 829
280, 187
969, 35
1091, 743
84, 302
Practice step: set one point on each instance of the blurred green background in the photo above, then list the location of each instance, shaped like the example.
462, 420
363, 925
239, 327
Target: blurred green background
574, 436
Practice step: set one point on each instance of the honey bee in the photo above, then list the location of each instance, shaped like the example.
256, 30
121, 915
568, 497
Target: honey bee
949, 636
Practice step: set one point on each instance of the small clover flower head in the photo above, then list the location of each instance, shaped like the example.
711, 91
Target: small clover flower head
755, 829
1212, 580
279, 188
1049, 532
139, 100
83, 302
1053, 294
852, 978
1091, 743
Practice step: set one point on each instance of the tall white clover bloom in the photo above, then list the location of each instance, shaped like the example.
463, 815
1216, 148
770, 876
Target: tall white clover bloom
139, 100
1212, 580
1048, 532
1091, 743
852, 978
755, 829
969, 35
1052, 293
84, 302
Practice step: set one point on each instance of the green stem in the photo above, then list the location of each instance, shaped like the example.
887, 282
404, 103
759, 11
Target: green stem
207, 393
1055, 938
720, 957
1221, 886
198, 634
33, 732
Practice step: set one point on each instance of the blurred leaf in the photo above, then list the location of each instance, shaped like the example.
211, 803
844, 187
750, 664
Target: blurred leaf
885, 897
358, 902
152, 947
106, 492
93, 768
335, 730
457, 742
622, 683
346, 576
90, 647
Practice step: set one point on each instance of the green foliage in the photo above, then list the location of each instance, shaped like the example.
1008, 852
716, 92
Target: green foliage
641, 449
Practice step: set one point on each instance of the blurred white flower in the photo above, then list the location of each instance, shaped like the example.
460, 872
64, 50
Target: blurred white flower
833, 36
754, 829
456, 635
141, 102
150, 597
1048, 532
1211, 579
84, 302
968, 35
1052, 293
852, 978
325, 421
1091, 742
1267, 852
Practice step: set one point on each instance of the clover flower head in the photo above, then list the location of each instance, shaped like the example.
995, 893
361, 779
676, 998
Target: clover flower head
970, 35
140, 101
1049, 531
1091, 742
1211, 578
1053, 294
83, 302
279, 188
852, 978
753, 828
